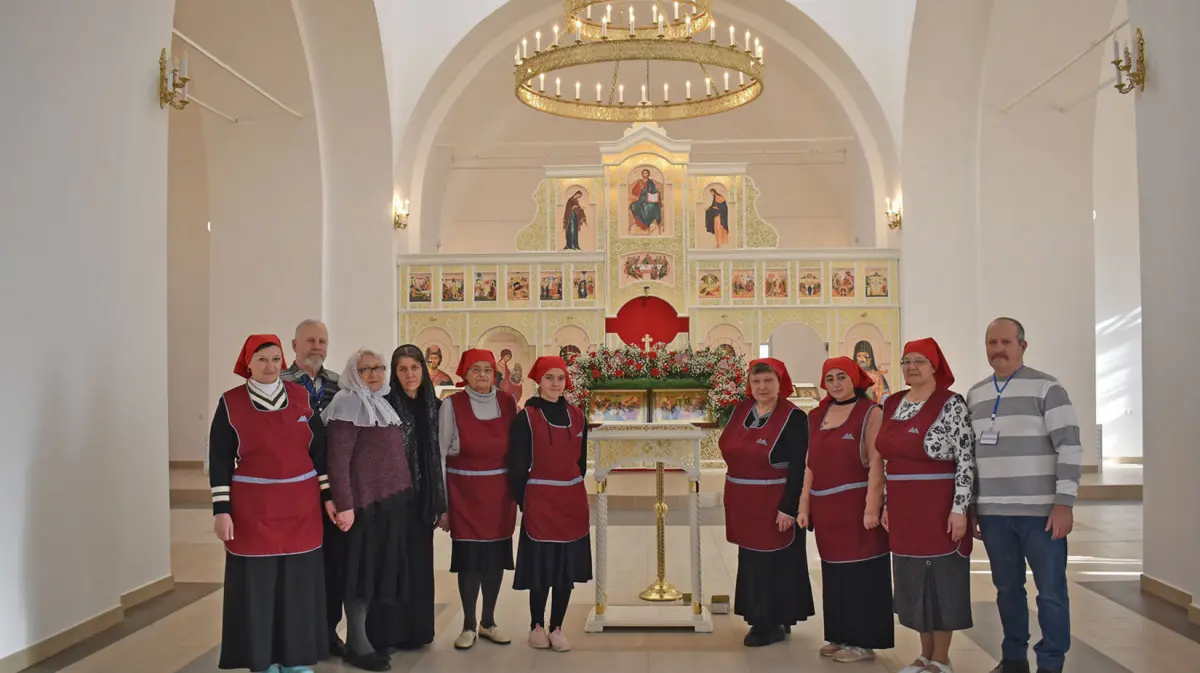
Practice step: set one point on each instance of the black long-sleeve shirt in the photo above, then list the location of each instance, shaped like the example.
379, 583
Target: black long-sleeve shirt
792, 449
223, 450
520, 446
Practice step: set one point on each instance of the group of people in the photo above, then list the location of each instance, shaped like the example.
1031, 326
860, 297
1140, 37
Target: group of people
335, 485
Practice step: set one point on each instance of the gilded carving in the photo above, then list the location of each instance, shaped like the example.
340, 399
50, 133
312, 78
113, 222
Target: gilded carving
539, 234
759, 234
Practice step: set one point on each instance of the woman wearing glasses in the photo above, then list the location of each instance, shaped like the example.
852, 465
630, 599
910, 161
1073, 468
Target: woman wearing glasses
928, 447
372, 486
473, 432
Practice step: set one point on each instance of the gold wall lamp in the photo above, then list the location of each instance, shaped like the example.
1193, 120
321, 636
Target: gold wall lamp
1134, 78
894, 212
399, 213
173, 84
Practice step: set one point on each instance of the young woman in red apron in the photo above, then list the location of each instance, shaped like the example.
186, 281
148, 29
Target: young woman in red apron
473, 429
928, 448
843, 501
764, 447
547, 461
267, 471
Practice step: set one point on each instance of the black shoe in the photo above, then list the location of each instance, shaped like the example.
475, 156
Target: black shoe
368, 662
337, 648
765, 636
1048, 670
1008, 666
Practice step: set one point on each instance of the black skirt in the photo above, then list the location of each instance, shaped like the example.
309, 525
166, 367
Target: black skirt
481, 558
857, 603
274, 611
933, 594
544, 565
773, 587
377, 552
408, 625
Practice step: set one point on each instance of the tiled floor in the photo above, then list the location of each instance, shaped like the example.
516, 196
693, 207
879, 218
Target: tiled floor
1116, 628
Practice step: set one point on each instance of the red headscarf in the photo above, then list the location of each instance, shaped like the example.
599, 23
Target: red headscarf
470, 357
859, 379
780, 369
545, 364
253, 343
930, 349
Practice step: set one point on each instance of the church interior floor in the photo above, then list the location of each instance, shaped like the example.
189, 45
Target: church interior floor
1116, 627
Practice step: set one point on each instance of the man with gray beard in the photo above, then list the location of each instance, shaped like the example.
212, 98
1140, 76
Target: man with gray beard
310, 344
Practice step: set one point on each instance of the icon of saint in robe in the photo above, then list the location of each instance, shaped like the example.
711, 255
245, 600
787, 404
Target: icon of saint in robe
574, 219
645, 204
864, 354
716, 219
433, 358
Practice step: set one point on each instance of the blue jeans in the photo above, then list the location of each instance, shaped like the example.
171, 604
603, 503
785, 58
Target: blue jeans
1010, 542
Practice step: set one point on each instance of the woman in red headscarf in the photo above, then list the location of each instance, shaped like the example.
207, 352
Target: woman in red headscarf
842, 500
546, 463
928, 448
473, 433
764, 446
267, 472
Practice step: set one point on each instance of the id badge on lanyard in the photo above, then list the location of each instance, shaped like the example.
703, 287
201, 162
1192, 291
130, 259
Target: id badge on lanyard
991, 436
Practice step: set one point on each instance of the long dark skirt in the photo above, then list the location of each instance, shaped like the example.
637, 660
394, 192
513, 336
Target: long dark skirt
408, 625
274, 611
857, 603
377, 552
773, 587
543, 565
481, 557
933, 594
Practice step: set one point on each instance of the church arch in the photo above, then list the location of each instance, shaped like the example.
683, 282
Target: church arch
724, 335
514, 357
569, 339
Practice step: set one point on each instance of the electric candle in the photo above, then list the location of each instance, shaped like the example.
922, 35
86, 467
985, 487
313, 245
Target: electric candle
524, 48
676, 11
707, 86
577, 91
556, 34
666, 92
712, 32
537, 36
542, 82
732, 38
688, 89
621, 94
597, 92
660, 24
643, 93
558, 86
747, 40
727, 80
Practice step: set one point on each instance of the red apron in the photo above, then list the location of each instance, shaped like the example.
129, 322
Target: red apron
753, 486
275, 497
838, 495
920, 490
481, 504
556, 503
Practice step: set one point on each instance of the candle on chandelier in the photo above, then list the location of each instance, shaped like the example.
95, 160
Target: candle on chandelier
660, 25
608, 12
578, 30
517, 57
537, 36
712, 31
603, 27
741, 79
621, 94
597, 92
732, 37
589, 11
1116, 50
542, 82
577, 91
556, 34
727, 80
676, 11
666, 92
688, 89
747, 40
654, 13
632, 31
756, 43
760, 54
643, 93
558, 86
524, 48
707, 86
688, 25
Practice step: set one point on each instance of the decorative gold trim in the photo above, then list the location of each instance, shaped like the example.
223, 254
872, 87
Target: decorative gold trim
576, 10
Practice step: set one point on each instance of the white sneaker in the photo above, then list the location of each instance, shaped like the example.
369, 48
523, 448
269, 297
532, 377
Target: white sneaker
938, 667
465, 640
850, 655
494, 634
917, 666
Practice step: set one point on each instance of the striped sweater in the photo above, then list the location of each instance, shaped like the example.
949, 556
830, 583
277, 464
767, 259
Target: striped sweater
1036, 462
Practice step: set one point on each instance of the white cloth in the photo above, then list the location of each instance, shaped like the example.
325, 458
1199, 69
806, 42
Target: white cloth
358, 404
268, 390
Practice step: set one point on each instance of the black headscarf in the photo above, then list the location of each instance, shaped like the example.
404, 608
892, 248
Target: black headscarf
419, 420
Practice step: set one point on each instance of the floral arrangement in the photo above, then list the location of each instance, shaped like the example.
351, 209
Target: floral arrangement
722, 372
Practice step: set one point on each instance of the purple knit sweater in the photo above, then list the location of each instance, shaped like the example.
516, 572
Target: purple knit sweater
366, 465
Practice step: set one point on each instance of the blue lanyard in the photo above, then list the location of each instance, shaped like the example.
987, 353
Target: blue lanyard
1000, 390
316, 397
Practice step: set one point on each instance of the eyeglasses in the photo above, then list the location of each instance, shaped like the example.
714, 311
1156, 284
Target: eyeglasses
913, 362
481, 371
378, 369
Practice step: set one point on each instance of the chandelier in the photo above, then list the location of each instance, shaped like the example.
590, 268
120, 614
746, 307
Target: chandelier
729, 72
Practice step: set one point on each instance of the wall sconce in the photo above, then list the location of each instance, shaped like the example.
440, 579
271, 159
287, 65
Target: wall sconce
399, 213
1134, 78
893, 211
172, 90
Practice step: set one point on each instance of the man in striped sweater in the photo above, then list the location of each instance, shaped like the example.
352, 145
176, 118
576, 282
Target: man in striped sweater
1029, 463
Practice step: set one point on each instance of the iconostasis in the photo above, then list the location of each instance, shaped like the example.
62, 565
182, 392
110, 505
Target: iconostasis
647, 221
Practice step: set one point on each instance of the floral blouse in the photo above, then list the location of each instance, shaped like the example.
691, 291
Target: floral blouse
951, 437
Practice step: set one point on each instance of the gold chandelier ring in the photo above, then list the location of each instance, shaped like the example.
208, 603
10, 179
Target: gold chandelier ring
592, 29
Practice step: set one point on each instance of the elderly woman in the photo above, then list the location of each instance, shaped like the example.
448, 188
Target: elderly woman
843, 496
546, 462
372, 486
409, 626
764, 446
473, 432
267, 472
928, 447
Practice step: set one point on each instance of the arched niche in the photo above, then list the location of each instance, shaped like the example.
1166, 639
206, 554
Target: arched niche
866, 343
724, 336
514, 356
568, 339
801, 349
436, 344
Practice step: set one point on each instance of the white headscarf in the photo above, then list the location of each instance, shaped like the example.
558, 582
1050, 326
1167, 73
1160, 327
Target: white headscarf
358, 404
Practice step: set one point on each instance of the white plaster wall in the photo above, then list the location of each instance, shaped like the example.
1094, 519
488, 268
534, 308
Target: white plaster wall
1118, 270
83, 288
187, 284
1168, 142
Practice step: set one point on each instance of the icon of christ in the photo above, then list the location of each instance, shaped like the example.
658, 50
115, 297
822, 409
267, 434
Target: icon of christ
645, 204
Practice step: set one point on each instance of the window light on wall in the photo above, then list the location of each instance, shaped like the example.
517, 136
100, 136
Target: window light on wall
764, 350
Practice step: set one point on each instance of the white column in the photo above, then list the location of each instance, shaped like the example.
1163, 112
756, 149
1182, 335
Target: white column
1168, 174
84, 273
